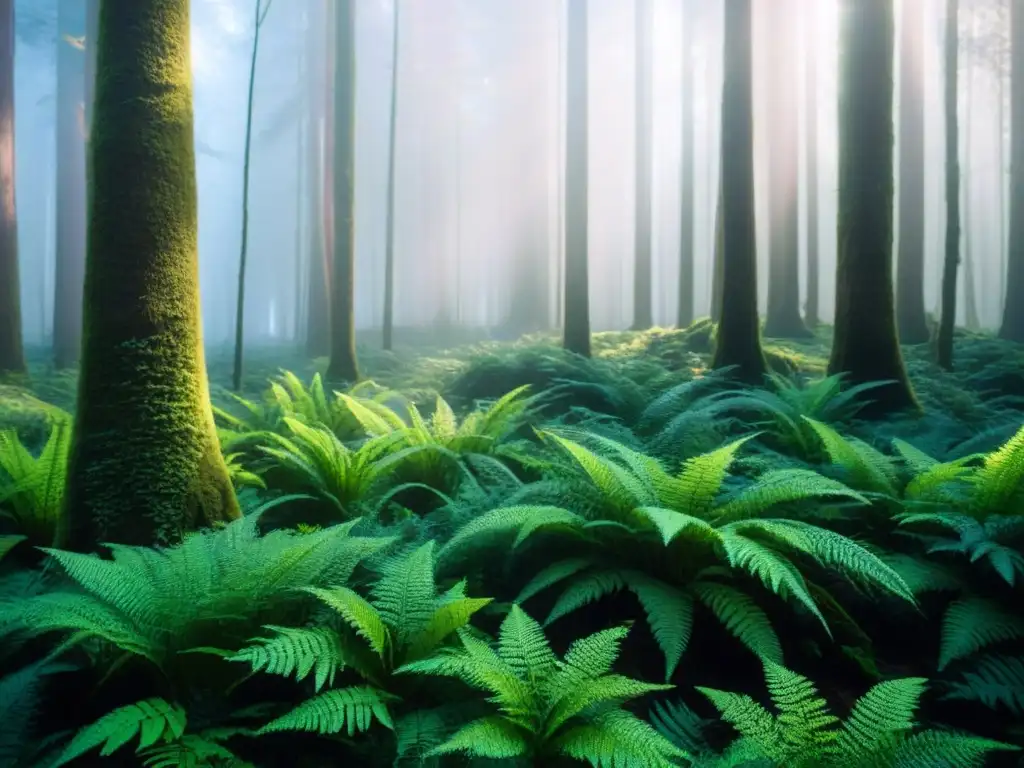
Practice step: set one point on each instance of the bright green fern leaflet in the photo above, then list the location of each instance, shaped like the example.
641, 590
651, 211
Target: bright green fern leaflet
545, 706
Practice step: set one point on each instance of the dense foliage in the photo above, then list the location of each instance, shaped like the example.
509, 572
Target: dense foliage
618, 562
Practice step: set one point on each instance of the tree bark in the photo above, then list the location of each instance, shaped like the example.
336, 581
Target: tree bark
71, 189
145, 463
738, 341
947, 319
318, 316
812, 313
684, 307
643, 278
576, 328
782, 319
1012, 327
910, 314
865, 346
343, 367
261, 9
12, 354
389, 247
971, 320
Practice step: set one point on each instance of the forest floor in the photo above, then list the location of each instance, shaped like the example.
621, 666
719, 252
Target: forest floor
649, 399
986, 388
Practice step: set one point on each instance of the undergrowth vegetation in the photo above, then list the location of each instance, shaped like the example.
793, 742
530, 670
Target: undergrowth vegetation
543, 561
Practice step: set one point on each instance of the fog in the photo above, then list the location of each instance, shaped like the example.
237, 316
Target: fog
478, 175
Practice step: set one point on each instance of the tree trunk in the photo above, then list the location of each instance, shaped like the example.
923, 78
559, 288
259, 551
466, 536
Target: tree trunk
389, 247
145, 463
576, 328
343, 366
318, 316
738, 342
910, 315
236, 373
865, 346
971, 320
684, 308
783, 317
12, 355
947, 320
1013, 309
643, 278
812, 312
71, 194
717, 269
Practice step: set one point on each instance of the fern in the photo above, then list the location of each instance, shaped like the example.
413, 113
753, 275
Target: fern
353, 710
32, 489
878, 733
212, 589
670, 554
151, 721
546, 706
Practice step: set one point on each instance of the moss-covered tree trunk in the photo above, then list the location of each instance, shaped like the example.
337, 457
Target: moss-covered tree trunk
145, 462
812, 314
576, 328
344, 367
910, 314
1012, 327
643, 271
684, 307
71, 188
738, 342
865, 345
12, 355
951, 262
783, 316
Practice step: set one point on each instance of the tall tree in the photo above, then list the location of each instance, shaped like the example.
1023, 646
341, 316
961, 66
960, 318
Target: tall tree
865, 346
810, 17
643, 278
389, 247
12, 355
738, 340
145, 463
947, 319
344, 366
971, 319
783, 316
320, 148
261, 9
1012, 327
576, 324
71, 188
910, 314
684, 308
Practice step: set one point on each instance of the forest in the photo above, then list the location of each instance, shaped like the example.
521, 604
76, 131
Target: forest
540, 383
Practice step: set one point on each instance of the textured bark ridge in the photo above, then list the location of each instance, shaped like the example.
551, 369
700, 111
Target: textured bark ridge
145, 462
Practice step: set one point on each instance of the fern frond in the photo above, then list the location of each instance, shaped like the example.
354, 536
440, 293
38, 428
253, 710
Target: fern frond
995, 681
151, 720
617, 738
999, 481
669, 615
296, 652
523, 646
945, 749
404, 594
350, 709
886, 710
742, 617
974, 623
493, 737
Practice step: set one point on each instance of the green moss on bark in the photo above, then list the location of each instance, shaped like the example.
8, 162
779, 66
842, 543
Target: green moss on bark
145, 462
